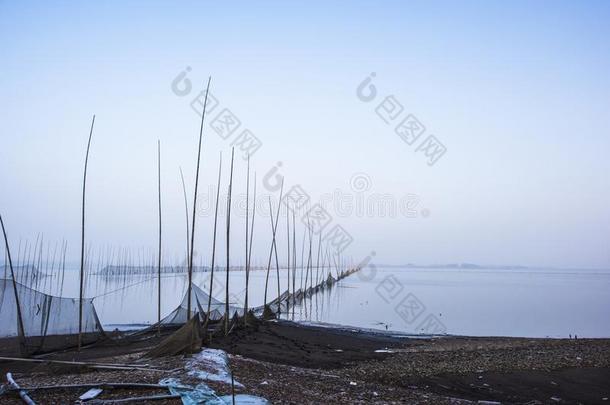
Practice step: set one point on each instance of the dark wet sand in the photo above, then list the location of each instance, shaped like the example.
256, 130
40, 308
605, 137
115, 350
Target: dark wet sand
290, 363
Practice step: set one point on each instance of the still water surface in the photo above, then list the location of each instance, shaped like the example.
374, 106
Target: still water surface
481, 302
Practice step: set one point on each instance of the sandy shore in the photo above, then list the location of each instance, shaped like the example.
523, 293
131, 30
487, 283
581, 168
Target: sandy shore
290, 363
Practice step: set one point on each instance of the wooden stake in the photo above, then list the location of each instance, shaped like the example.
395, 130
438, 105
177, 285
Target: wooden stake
194, 218
288, 254
186, 211
160, 228
82, 246
228, 244
207, 318
250, 249
19, 315
273, 231
247, 223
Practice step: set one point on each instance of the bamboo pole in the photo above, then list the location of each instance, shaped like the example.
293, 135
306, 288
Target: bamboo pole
19, 314
288, 254
250, 249
318, 261
294, 257
277, 263
228, 244
160, 233
82, 247
207, 318
247, 223
186, 210
110, 385
309, 253
146, 399
194, 218
270, 255
273, 231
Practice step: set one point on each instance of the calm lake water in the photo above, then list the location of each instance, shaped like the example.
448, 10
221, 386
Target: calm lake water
482, 302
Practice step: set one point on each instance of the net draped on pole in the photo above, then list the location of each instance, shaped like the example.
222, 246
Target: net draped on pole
49, 322
199, 303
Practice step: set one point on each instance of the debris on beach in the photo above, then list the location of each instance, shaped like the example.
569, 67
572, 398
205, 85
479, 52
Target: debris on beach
211, 365
203, 394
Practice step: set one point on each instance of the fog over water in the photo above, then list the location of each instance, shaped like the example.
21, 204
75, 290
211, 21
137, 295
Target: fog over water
458, 137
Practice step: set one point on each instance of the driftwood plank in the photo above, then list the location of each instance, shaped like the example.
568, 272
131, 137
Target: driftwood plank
94, 385
135, 399
99, 366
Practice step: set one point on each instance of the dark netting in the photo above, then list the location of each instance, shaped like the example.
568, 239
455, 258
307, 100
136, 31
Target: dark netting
49, 323
199, 305
187, 339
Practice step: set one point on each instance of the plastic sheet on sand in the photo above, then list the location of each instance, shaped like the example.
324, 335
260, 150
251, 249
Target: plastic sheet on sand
203, 394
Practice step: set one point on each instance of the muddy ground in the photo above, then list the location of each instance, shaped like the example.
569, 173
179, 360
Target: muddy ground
291, 363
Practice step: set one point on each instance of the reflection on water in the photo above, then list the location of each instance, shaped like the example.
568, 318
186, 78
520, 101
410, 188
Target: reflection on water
534, 303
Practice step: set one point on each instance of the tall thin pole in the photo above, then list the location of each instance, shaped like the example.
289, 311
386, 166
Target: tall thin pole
250, 248
194, 218
160, 227
309, 253
294, 254
273, 244
228, 244
186, 212
207, 318
82, 246
247, 224
270, 253
247, 206
288, 255
277, 263
19, 316
318, 261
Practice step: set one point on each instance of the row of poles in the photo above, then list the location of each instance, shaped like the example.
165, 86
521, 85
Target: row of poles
190, 242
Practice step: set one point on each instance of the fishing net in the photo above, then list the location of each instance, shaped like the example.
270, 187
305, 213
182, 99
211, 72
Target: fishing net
49, 323
199, 305
187, 339
200, 299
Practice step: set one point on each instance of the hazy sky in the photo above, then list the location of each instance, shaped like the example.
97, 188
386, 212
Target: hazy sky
518, 94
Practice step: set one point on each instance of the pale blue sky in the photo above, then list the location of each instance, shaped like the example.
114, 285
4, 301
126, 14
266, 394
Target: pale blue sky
519, 94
